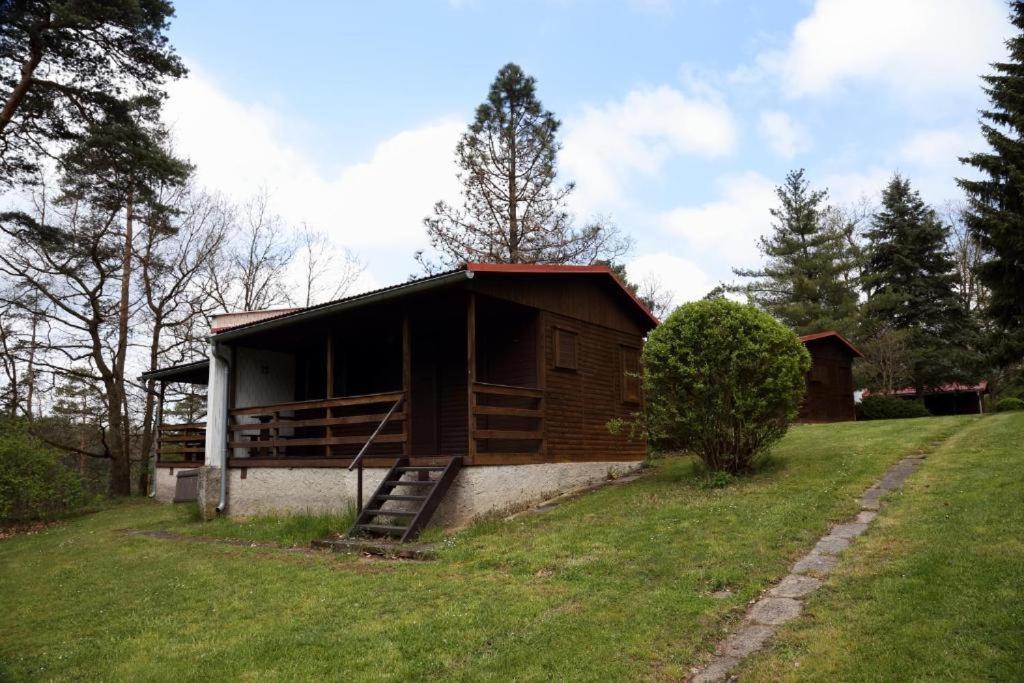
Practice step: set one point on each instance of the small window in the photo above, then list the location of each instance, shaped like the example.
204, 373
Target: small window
630, 375
566, 349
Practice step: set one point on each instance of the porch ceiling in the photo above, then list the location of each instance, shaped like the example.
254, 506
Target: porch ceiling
187, 373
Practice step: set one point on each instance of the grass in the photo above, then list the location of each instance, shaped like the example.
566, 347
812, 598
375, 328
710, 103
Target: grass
615, 585
935, 590
287, 531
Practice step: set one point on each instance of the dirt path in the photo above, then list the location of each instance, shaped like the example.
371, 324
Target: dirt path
785, 600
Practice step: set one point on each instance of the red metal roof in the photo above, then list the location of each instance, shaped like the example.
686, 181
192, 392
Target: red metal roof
558, 269
832, 333
951, 388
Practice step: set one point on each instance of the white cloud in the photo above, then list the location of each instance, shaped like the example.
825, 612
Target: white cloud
607, 145
941, 147
853, 186
914, 46
785, 137
727, 227
239, 148
685, 279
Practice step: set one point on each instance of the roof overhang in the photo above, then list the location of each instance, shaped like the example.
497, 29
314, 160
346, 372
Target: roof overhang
186, 373
466, 272
333, 307
832, 334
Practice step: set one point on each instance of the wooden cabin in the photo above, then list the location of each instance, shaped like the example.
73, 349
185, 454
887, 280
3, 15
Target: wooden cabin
499, 378
829, 396
948, 399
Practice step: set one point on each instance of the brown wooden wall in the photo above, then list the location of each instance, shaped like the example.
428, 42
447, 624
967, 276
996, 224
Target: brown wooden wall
829, 396
595, 300
580, 403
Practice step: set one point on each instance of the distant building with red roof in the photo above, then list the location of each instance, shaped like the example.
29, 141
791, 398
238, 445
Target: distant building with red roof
949, 399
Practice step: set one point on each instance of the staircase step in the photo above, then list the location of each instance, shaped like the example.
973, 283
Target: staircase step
382, 529
379, 512
431, 493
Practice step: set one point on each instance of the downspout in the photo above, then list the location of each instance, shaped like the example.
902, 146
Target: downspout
224, 462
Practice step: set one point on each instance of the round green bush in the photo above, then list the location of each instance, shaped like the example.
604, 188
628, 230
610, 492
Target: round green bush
882, 407
723, 380
1007, 404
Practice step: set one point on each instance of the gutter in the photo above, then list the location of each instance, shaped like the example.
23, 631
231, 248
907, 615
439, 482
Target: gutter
224, 463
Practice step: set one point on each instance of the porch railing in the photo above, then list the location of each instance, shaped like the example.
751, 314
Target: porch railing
357, 462
334, 427
181, 442
506, 422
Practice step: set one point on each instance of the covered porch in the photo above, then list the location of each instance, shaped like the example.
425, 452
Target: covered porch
450, 373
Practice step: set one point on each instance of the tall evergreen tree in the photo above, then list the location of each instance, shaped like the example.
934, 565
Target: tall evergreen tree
64, 63
807, 281
514, 209
909, 278
995, 213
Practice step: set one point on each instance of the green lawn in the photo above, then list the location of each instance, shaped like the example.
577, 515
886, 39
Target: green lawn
613, 586
935, 590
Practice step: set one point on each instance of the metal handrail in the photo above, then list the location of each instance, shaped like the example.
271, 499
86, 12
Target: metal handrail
358, 460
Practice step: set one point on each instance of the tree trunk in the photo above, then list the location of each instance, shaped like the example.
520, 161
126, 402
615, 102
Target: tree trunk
30, 375
148, 423
21, 88
513, 200
120, 465
120, 446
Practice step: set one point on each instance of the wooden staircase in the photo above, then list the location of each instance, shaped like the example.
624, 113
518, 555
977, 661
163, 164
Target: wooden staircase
419, 498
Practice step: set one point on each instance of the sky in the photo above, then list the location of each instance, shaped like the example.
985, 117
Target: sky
679, 117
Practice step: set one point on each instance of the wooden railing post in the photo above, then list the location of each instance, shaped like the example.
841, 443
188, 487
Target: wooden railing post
471, 376
407, 384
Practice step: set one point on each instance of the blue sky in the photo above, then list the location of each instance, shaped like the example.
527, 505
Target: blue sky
678, 116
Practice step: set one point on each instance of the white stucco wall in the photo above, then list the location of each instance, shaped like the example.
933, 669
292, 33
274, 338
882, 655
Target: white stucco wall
477, 490
261, 378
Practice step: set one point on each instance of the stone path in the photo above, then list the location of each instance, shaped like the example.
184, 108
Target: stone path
785, 600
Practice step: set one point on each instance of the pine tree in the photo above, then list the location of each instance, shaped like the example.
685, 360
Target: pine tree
65, 63
807, 281
909, 278
514, 209
995, 213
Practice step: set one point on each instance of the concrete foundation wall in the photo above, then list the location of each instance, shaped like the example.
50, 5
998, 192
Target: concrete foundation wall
267, 490
165, 482
477, 490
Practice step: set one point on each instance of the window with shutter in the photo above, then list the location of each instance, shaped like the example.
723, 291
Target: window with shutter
566, 349
630, 374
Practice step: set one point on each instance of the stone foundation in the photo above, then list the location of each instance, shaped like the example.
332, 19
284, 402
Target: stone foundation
477, 491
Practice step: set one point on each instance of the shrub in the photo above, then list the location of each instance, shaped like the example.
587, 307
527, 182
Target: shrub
1006, 404
34, 484
723, 380
889, 408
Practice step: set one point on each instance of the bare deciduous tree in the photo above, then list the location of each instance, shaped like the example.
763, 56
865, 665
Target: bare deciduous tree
967, 256
655, 296
250, 273
327, 271
172, 266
